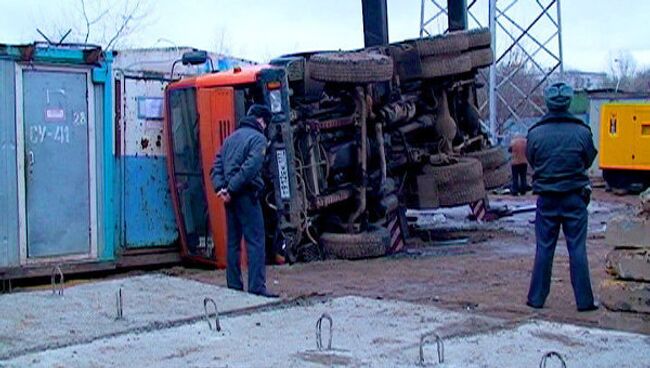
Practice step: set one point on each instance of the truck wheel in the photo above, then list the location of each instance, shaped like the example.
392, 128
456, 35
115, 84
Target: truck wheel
372, 243
444, 65
459, 183
351, 67
478, 38
481, 58
490, 158
498, 177
452, 42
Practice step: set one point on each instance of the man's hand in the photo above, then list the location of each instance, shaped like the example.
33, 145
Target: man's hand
224, 195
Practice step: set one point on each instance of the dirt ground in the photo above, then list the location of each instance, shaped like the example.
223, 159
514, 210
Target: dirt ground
489, 275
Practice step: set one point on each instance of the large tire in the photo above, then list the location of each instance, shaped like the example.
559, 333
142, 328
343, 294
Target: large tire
445, 65
351, 67
490, 158
452, 42
368, 244
481, 58
459, 183
479, 38
497, 178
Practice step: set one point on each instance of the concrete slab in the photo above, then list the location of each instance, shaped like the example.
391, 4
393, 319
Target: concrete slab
367, 332
626, 296
38, 320
629, 264
525, 346
628, 232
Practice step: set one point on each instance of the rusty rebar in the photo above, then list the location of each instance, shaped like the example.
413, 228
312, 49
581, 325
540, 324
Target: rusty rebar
217, 324
57, 270
119, 305
319, 332
439, 345
542, 363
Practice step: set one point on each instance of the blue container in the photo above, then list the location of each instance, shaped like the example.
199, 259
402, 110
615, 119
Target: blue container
58, 189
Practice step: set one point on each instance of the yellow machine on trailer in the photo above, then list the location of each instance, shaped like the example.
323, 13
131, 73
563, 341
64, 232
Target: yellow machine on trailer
625, 145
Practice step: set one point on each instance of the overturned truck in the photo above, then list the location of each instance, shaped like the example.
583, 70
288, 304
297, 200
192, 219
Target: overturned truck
355, 138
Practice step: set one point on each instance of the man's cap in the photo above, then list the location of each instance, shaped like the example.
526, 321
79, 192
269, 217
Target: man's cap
558, 96
260, 111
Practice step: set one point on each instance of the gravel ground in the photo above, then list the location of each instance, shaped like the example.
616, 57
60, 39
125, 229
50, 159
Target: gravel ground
490, 274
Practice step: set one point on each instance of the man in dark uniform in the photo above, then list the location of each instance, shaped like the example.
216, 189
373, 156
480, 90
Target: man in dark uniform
560, 149
236, 177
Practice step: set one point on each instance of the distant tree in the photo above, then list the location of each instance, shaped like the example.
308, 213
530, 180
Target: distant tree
641, 81
222, 42
108, 24
518, 96
622, 70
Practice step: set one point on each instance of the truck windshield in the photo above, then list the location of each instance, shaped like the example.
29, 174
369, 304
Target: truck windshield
187, 168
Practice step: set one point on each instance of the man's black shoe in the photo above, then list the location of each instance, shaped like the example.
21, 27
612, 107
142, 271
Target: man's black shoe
590, 308
267, 294
534, 306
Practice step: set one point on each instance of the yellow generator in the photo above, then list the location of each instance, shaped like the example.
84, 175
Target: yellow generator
625, 145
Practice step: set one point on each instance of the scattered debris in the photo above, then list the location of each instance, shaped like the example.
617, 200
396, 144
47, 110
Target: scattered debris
629, 261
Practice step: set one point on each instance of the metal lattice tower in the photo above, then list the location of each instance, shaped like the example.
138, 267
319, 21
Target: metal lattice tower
527, 44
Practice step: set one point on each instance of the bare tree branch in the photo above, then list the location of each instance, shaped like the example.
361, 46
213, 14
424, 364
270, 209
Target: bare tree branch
105, 23
126, 19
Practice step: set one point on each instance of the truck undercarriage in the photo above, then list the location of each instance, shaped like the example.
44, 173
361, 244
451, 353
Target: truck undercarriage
358, 136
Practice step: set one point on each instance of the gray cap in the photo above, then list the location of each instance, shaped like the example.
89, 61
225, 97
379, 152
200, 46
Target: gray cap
558, 96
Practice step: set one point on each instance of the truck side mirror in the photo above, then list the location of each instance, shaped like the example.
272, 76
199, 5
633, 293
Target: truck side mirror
195, 57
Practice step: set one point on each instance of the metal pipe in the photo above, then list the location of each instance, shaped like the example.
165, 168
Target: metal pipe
312, 163
422, 18
492, 83
559, 38
382, 152
457, 15
375, 22
360, 103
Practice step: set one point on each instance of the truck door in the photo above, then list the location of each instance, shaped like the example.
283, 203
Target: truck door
186, 174
216, 108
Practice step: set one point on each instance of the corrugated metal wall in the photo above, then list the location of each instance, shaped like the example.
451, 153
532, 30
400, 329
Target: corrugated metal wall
9, 251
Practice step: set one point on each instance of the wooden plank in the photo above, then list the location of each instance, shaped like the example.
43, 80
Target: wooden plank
46, 269
151, 259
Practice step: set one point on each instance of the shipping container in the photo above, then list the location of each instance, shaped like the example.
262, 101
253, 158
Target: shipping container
56, 158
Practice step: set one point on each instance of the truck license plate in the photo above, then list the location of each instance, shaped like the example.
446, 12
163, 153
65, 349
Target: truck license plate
283, 174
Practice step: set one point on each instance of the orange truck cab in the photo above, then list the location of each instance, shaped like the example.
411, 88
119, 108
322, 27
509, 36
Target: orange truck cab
200, 113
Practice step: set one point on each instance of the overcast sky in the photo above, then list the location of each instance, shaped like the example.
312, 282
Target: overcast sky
261, 29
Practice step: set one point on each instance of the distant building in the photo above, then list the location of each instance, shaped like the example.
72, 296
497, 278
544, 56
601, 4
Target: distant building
580, 80
161, 59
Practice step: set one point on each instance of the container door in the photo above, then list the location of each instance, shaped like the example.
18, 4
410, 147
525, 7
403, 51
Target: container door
56, 154
148, 216
641, 119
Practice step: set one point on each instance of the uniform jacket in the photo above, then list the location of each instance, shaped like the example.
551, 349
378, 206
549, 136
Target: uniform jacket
560, 150
518, 149
238, 165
